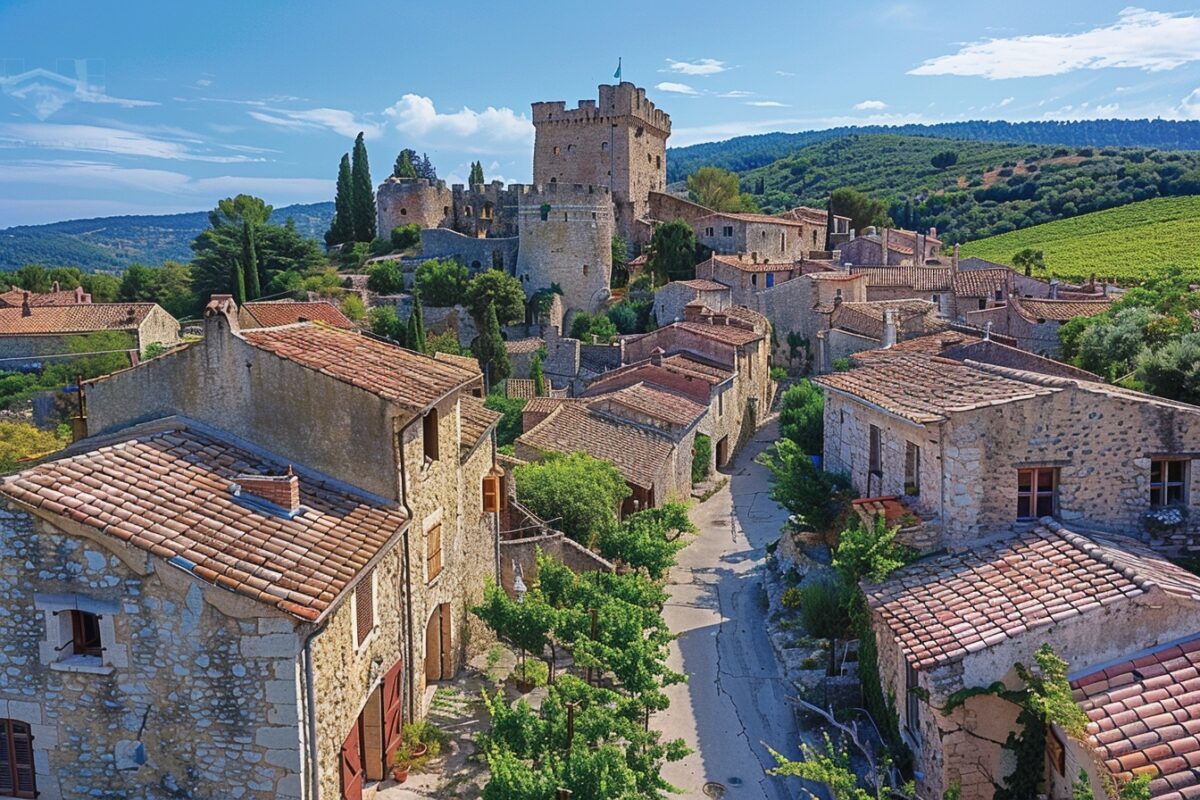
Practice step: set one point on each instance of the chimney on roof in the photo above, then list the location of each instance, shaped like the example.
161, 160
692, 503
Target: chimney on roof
26, 311
754, 256
884, 247
932, 232
1053, 288
79, 295
220, 320
954, 261
56, 287
889, 328
987, 331
282, 491
656, 356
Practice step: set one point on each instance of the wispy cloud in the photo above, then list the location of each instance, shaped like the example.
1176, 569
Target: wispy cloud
1189, 107
766, 104
700, 66
1139, 39
110, 140
785, 73
675, 88
47, 92
1006, 101
736, 93
341, 122
417, 117
870, 105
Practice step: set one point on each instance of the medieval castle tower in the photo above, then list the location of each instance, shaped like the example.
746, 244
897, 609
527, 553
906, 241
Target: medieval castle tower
619, 143
566, 239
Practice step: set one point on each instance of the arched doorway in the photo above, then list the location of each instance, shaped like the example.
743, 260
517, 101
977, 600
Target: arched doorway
438, 651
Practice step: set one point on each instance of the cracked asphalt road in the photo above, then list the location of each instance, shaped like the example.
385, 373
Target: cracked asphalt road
734, 700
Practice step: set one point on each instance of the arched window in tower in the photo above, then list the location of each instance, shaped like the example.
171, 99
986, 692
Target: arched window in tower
603, 146
556, 150
570, 148
404, 212
585, 270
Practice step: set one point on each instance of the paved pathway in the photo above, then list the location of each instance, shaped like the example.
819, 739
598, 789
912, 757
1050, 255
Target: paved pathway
734, 699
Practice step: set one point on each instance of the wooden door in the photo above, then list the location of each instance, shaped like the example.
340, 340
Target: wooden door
393, 712
16, 759
433, 647
352, 763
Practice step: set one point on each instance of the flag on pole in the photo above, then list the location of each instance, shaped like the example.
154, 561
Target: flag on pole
617, 74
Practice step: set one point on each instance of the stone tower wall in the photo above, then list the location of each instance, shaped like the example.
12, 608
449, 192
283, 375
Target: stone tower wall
570, 246
407, 201
619, 142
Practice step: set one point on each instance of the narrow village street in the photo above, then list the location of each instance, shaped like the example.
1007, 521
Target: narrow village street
734, 703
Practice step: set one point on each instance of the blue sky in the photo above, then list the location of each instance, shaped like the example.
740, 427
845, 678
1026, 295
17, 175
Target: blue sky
166, 106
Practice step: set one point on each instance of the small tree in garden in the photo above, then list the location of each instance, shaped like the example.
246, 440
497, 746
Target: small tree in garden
525, 625
816, 498
415, 334
802, 417
701, 457
648, 540
825, 609
538, 375
489, 349
576, 493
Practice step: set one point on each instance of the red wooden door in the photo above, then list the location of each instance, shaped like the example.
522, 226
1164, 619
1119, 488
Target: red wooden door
393, 713
352, 763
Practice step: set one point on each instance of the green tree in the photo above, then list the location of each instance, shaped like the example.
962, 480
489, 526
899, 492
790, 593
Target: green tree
237, 285
862, 210
825, 610
802, 417
441, 282
1173, 370
493, 287
406, 237
1028, 260
489, 349
944, 160
137, 284
575, 493
415, 334
718, 189
620, 261
362, 193
538, 375
584, 326
385, 322
250, 263
22, 441
341, 229
102, 288
1111, 347
233, 211
32, 278
817, 498
509, 426
404, 164
67, 278
386, 277
476, 177
352, 306
648, 540
672, 252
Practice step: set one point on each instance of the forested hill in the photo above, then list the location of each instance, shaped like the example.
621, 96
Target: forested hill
748, 152
116, 242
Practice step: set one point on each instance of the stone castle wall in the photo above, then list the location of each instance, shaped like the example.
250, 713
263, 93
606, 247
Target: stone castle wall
566, 239
412, 201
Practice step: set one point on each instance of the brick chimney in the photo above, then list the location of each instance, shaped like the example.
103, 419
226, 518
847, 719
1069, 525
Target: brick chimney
656, 356
1053, 288
56, 288
889, 328
26, 311
278, 490
954, 261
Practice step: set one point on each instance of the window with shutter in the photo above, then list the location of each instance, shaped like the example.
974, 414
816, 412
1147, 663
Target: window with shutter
16, 759
364, 607
433, 552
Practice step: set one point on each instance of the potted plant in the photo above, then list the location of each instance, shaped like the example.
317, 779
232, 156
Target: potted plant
530, 674
424, 742
402, 763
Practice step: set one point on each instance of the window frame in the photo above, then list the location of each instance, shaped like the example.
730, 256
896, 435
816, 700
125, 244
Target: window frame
875, 451
434, 562
8, 734
1035, 494
86, 636
912, 469
429, 435
1164, 486
365, 594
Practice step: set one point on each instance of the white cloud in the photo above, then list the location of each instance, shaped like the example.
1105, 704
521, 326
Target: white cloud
785, 73
870, 105
92, 176
341, 122
767, 104
701, 66
736, 93
675, 88
47, 92
417, 117
1189, 107
114, 141
1139, 39
1006, 101
203, 82
1106, 110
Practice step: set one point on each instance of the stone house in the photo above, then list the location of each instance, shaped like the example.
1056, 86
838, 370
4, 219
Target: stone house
963, 620
903, 248
1034, 323
761, 237
57, 296
976, 448
270, 604
33, 333
671, 299
932, 283
273, 313
816, 227
854, 327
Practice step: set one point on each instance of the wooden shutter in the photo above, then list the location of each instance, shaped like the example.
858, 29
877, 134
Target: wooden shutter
447, 649
491, 494
351, 764
17, 775
364, 606
393, 711
433, 552
433, 646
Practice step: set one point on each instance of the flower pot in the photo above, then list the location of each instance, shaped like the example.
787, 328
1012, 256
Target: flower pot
418, 749
524, 686
400, 773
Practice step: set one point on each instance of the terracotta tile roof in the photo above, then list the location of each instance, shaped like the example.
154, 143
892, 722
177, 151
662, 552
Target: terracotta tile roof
528, 345
468, 363
942, 608
927, 389
643, 398
834, 276
759, 218
1060, 310
982, 282
931, 344
169, 493
729, 334
524, 388
476, 420
867, 318
696, 366
15, 298
746, 263
410, 380
638, 454
704, 286
274, 313
748, 315
82, 318
545, 405
1144, 718
921, 279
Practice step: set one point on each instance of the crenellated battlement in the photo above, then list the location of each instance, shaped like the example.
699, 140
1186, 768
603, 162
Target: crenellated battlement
562, 191
412, 184
621, 100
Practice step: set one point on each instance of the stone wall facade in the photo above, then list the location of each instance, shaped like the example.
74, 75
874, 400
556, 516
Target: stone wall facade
670, 299
566, 239
476, 253
769, 241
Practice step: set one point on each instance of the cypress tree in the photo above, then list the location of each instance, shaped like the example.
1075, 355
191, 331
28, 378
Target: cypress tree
238, 289
341, 230
250, 263
362, 193
489, 349
539, 377
404, 167
415, 335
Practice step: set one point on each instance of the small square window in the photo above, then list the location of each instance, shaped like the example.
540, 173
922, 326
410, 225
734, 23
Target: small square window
1036, 492
85, 634
1168, 482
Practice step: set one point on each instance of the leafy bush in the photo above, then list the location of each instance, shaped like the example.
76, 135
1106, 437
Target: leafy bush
386, 278
385, 322
818, 499
648, 540
585, 326
701, 457
495, 286
21, 441
509, 426
825, 610
575, 493
802, 417
792, 598
441, 282
532, 670
406, 236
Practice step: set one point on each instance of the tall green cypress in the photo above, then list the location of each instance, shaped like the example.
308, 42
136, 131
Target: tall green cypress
238, 279
489, 349
250, 263
415, 335
341, 230
538, 375
362, 194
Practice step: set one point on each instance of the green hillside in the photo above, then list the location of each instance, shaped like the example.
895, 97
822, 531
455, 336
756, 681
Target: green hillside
1126, 243
991, 189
